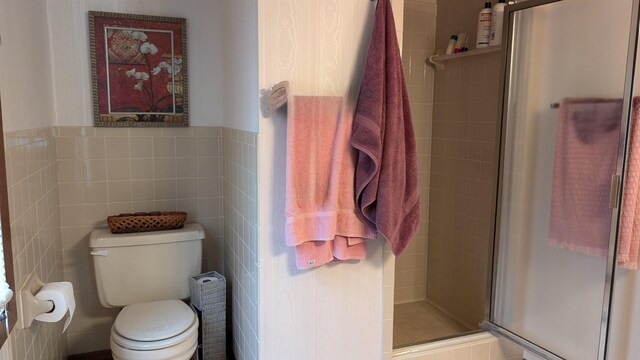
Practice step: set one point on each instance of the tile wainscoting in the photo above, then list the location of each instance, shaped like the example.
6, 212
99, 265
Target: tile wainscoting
241, 239
35, 227
65, 181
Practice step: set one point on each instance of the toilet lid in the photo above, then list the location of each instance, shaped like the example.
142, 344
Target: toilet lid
154, 321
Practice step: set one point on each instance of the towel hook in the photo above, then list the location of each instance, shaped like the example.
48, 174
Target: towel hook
277, 96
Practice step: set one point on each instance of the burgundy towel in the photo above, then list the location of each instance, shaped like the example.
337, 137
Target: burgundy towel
585, 159
323, 222
386, 170
629, 232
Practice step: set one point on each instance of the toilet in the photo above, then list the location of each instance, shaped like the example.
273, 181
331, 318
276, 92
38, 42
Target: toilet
147, 274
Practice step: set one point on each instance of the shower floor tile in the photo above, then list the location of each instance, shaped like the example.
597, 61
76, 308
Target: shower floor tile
419, 322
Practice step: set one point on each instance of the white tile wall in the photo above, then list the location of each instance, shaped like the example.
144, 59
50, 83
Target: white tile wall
241, 239
35, 226
106, 171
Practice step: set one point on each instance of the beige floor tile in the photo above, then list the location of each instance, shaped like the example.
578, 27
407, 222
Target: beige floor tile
419, 322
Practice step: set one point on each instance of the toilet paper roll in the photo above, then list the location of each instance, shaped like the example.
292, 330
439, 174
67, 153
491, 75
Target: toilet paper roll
61, 293
207, 279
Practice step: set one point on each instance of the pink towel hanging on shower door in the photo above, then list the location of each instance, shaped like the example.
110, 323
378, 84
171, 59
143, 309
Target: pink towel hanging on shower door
629, 231
587, 139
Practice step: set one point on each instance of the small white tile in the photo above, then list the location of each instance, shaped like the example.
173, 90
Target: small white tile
117, 147
164, 147
119, 191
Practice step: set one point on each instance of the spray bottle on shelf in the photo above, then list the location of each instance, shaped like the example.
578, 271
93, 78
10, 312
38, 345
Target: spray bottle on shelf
461, 43
497, 16
452, 44
484, 26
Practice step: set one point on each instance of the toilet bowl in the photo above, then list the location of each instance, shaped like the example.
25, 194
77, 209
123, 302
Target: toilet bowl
159, 330
146, 274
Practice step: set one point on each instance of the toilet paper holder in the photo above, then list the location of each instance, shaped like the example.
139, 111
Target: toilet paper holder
28, 305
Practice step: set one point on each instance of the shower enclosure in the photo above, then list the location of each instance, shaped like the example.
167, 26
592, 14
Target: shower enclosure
566, 92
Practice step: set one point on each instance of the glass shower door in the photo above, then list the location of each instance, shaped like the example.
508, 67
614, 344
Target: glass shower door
563, 123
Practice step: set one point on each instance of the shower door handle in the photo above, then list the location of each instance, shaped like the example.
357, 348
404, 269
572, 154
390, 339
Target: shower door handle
615, 189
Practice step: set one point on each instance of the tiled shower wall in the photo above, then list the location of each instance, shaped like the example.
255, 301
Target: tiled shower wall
419, 32
462, 170
105, 171
241, 239
35, 227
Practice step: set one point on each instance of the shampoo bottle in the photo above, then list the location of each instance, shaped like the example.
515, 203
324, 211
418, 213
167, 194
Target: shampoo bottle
484, 26
496, 23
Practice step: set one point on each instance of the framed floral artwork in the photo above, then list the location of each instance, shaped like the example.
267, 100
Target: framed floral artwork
138, 70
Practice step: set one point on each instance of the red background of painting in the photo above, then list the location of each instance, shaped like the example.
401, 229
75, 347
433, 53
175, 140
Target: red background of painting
122, 91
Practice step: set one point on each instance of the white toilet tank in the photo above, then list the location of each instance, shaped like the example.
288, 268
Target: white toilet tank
143, 267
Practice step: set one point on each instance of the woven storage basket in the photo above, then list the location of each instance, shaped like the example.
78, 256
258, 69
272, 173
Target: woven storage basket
152, 221
209, 299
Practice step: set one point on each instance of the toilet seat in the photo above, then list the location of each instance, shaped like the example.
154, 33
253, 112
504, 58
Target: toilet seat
158, 325
192, 332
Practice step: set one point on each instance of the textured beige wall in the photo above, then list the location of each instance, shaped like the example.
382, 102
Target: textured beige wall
35, 227
26, 80
328, 305
68, 41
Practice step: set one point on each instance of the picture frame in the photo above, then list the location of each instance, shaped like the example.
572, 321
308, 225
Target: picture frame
139, 70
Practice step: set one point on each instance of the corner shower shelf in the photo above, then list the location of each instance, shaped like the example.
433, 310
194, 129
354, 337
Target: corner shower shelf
439, 60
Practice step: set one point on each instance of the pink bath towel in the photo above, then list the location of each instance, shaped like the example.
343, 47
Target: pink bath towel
323, 222
588, 133
387, 169
629, 232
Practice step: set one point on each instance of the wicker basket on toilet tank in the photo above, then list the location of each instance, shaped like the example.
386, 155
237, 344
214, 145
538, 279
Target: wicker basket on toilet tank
146, 221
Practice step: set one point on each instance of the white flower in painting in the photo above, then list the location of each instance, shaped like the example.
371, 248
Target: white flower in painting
131, 72
177, 60
138, 86
156, 70
139, 35
176, 69
148, 48
141, 76
170, 70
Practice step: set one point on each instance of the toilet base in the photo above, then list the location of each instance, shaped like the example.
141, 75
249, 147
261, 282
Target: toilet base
183, 351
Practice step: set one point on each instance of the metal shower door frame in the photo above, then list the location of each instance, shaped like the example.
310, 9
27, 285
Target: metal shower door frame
510, 23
